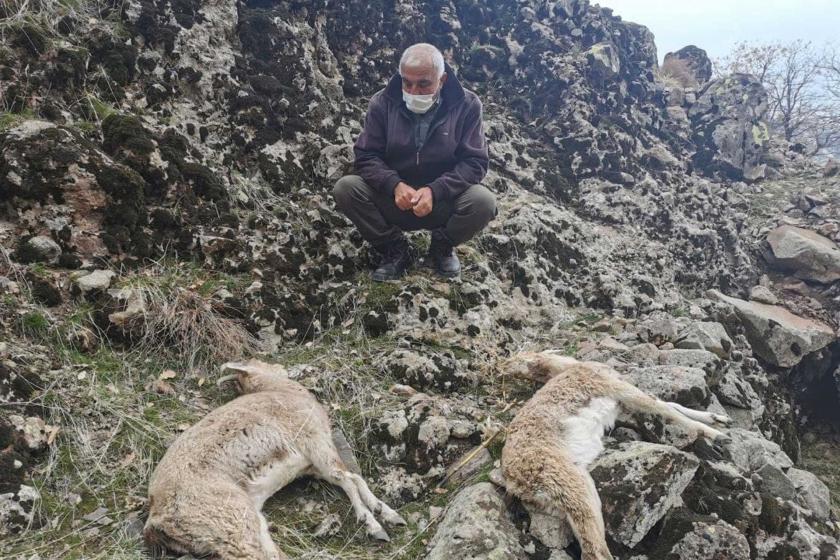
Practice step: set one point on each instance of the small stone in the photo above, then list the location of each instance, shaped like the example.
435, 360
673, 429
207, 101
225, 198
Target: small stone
39, 249
762, 294
96, 282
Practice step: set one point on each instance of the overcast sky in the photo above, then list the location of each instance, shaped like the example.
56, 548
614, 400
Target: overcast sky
716, 25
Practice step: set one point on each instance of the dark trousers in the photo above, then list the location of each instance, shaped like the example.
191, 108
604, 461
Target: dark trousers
380, 221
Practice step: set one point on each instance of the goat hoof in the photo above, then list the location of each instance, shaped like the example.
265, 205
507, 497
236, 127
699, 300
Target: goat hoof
380, 535
721, 419
397, 519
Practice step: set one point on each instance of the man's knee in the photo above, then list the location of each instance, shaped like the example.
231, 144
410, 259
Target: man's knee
482, 204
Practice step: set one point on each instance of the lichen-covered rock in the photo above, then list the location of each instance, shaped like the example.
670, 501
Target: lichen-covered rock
750, 452
38, 248
776, 334
17, 509
438, 369
639, 483
687, 536
685, 385
729, 130
476, 527
94, 283
418, 435
812, 493
804, 253
691, 358
706, 336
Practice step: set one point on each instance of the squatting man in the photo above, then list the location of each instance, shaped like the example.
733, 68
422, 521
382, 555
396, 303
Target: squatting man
419, 160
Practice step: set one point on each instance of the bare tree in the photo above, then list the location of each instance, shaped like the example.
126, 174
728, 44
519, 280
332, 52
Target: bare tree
796, 76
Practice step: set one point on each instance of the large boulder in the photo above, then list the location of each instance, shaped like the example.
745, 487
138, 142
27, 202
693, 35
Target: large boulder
776, 334
476, 527
804, 253
639, 483
696, 61
729, 130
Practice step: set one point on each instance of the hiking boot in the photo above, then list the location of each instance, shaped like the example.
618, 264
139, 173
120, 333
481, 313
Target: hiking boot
442, 256
396, 260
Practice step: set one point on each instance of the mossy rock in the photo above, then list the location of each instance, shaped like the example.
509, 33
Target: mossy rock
125, 132
204, 181
31, 38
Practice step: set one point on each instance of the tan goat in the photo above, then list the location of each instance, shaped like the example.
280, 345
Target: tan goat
206, 494
558, 433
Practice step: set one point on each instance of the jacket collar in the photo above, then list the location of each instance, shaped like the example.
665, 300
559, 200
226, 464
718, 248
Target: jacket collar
451, 94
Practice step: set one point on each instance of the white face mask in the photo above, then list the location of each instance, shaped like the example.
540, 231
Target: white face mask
419, 103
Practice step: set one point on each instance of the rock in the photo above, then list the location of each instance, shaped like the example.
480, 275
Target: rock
762, 294
685, 385
39, 249
688, 536
658, 328
696, 61
732, 390
603, 60
831, 168
17, 509
476, 527
700, 359
639, 483
775, 483
551, 530
776, 334
418, 435
469, 469
706, 336
750, 452
728, 127
35, 433
439, 369
812, 493
93, 283
804, 253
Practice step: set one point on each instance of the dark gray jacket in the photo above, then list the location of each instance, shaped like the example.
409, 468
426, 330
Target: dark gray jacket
453, 157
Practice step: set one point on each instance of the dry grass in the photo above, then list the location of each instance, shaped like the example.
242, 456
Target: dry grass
182, 323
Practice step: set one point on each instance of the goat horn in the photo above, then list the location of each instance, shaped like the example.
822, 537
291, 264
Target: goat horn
226, 378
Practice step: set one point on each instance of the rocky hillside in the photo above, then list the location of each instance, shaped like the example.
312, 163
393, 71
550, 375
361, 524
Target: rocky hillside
165, 176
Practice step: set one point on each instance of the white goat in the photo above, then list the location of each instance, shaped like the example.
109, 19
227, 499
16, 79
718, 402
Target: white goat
206, 494
558, 433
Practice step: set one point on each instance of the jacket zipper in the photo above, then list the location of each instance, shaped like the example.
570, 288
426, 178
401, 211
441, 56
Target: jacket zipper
435, 125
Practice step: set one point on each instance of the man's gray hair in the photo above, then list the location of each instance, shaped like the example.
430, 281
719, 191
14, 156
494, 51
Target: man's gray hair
422, 54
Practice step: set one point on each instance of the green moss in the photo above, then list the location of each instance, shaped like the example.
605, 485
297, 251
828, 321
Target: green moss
10, 120
382, 295
35, 324
205, 182
125, 132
